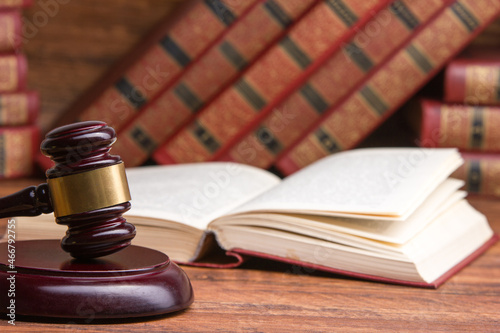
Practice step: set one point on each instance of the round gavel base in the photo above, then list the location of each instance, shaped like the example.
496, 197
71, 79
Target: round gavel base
46, 281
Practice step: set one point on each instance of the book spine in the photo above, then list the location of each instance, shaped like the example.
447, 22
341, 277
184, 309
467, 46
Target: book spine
18, 109
388, 88
473, 82
481, 173
160, 60
18, 146
472, 128
308, 44
15, 3
10, 30
340, 75
13, 71
224, 62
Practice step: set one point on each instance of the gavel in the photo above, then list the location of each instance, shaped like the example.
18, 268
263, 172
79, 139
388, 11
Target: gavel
86, 189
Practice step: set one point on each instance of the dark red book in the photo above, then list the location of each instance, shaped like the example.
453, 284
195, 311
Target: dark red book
20, 108
473, 81
10, 30
18, 146
13, 72
466, 127
346, 125
342, 74
306, 46
237, 49
159, 59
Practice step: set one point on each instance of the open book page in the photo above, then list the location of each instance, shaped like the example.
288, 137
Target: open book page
194, 194
391, 182
368, 233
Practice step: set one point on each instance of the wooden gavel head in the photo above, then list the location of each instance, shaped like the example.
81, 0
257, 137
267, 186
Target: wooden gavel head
87, 190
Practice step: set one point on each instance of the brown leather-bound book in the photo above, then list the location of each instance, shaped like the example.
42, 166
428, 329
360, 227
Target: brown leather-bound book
343, 73
307, 45
466, 127
389, 215
346, 125
18, 146
473, 81
238, 48
20, 108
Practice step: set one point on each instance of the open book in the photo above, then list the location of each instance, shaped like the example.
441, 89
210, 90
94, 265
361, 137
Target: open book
388, 214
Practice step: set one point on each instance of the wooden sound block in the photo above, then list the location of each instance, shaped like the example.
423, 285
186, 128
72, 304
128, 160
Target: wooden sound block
46, 281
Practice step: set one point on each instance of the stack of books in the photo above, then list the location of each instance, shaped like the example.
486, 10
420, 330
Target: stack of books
275, 83
468, 118
19, 135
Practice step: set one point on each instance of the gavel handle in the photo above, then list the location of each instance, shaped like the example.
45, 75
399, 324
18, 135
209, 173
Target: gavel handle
31, 201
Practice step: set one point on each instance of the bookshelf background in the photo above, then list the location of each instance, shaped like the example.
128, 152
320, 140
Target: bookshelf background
72, 49
76, 46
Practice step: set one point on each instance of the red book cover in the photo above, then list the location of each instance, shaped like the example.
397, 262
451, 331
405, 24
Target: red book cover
20, 108
236, 257
432, 285
481, 173
18, 146
342, 74
471, 128
291, 60
13, 72
15, 3
473, 81
156, 61
387, 89
10, 30
220, 66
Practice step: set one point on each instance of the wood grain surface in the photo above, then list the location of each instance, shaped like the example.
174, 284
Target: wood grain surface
264, 296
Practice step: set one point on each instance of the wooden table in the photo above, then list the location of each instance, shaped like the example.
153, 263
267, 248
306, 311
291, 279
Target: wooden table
265, 296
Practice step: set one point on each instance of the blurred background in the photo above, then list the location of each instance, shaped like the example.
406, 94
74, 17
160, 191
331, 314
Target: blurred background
70, 47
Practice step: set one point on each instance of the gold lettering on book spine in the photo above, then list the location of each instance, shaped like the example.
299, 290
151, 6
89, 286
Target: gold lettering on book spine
492, 177
8, 73
14, 109
17, 153
2, 155
455, 127
8, 41
481, 84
